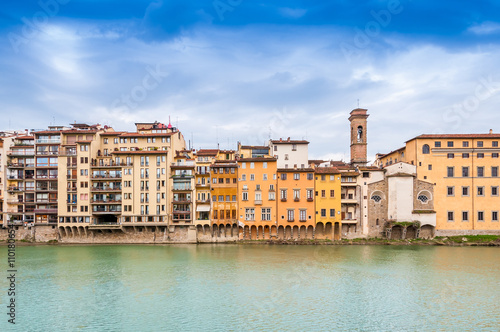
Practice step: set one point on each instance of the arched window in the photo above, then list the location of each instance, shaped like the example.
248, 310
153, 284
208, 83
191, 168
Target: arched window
360, 134
426, 149
377, 196
424, 196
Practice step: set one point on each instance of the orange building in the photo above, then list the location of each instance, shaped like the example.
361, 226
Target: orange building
296, 211
257, 197
224, 188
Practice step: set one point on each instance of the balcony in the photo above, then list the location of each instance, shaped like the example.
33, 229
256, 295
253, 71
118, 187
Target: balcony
182, 188
105, 177
181, 201
202, 185
71, 201
15, 177
105, 189
184, 164
302, 220
257, 202
109, 201
44, 188
71, 189
290, 220
14, 189
110, 164
47, 153
48, 141
283, 199
46, 211
108, 209
21, 153
69, 165
296, 199
310, 199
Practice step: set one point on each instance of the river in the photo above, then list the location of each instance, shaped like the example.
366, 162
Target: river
253, 287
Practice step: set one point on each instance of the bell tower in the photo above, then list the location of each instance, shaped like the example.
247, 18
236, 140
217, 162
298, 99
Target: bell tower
359, 143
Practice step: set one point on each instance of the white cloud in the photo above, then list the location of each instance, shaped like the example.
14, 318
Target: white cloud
485, 28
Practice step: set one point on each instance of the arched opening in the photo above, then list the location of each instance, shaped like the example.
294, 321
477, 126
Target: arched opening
281, 233
253, 233
426, 149
320, 231
303, 232
427, 232
424, 196
246, 233
336, 232
360, 134
288, 233
215, 230
260, 232
328, 231
397, 233
274, 232
295, 232
222, 231
411, 232
199, 231
310, 232
267, 234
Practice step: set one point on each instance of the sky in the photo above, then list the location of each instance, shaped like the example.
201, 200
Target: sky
225, 71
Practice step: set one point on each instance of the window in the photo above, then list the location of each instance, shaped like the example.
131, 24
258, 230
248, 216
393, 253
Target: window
450, 144
494, 191
494, 144
451, 172
480, 216
283, 176
480, 191
323, 177
243, 165
264, 177
252, 177
272, 196
465, 172
323, 212
465, 216
376, 197
296, 176
465, 144
309, 194
296, 194
451, 217
249, 214
323, 193
291, 215
451, 155
480, 144
494, 216
332, 193
437, 144
302, 215
465, 191
465, 155
283, 194
243, 177
252, 165
294, 147
423, 197
494, 155
480, 171
266, 214
480, 155
309, 176
332, 213
286, 156
429, 167
426, 149
451, 191
494, 171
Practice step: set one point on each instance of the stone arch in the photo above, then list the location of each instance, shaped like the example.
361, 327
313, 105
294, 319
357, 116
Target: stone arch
241, 233
303, 232
199, 230
234, 230
229, 230
377, 196
246, 233
281, 233
427, 232
336, 231
253, 233
295, 232
397, 232
288, 233
310, 232
320, 231
222, 231
328, 231
206, 229
215, 231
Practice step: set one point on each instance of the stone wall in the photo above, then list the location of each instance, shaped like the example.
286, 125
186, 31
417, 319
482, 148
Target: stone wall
377, 211
418, 186
32, 234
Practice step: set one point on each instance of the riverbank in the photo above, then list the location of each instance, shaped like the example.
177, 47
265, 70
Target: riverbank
461, 241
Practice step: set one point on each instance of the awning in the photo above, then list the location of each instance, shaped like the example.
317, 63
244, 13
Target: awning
202, 208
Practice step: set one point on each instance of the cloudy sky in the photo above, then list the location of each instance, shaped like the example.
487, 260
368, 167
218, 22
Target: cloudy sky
241, 70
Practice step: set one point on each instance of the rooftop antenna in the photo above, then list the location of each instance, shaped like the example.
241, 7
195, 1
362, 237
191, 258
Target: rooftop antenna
217, 135
358, 102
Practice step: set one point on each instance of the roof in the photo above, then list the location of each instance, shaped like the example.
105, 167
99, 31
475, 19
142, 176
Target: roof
141, 152
148, 134
113, 133
263, 159
327, 170
316, 162
295, 170
452, 136
385, 155
73, 131
48, 132
350, 174
25, 137
248, 147
207, 152
370, 168
288, 141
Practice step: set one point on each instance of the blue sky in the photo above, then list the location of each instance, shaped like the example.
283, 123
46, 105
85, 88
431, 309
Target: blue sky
246, 70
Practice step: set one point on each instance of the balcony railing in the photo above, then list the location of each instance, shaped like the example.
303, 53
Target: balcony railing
258, 202
107, 176
48, 141
283, 199
47, 153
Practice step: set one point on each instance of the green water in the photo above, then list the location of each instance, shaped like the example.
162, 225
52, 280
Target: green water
260, 288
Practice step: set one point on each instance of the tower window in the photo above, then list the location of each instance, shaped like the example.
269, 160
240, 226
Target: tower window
426, 149
360, 134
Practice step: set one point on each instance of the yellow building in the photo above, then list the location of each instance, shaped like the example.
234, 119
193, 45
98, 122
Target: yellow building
257, 197
328, 202
224, 188
296, 210
464, 168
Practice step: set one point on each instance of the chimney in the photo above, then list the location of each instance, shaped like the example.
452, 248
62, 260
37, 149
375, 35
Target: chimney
288, 139
491, 131
281, 140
